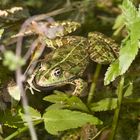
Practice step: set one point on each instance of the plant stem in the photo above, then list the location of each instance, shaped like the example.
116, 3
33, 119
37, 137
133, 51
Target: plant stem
93, 85
138, 137
131, 101
19, 131
117, 111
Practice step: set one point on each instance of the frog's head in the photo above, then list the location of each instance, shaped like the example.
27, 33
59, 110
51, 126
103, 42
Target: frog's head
61, 66
48, 76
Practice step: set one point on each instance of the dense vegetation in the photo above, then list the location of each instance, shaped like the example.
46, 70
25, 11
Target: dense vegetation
109, 107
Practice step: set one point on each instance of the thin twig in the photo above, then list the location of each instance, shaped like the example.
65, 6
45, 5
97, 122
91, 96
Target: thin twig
19, 80
19, 76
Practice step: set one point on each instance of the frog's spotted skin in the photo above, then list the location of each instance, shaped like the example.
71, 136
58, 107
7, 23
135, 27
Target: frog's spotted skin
53, 31
67, 27
50, 29
65, 65
64, 41
70, 57
102, 49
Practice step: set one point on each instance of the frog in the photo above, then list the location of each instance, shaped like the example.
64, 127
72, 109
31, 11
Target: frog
69, 59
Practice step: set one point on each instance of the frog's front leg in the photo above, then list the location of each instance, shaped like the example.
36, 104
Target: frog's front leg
80, 85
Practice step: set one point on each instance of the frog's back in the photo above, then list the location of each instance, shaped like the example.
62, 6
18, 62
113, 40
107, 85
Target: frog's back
73, 56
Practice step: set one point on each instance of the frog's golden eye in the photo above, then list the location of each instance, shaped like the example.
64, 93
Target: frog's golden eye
57, 71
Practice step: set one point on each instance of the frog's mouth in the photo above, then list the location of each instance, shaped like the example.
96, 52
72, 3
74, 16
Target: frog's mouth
53, 85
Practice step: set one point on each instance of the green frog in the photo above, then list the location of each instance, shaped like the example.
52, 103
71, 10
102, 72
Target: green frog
69, 59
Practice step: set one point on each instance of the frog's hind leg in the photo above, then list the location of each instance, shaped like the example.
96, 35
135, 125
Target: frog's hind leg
102, 49
61, 29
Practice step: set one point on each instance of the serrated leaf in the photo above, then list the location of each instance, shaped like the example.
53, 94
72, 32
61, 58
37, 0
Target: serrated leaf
112, 72
56, 106
56, 98
129, 49
129, 90
104, 105
129, 12
76, 103
135, 33
127, 55
66, 101
129, 46
34, 114
61, 120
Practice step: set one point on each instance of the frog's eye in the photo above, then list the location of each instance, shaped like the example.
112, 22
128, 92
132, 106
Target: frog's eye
57, 72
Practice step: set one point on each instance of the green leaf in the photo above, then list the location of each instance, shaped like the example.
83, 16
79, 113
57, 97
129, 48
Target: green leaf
61, 120
12, 61
56, 106
129, 12
56, 98
119, 24
129, 46
112, 72
8, 119
34, 114
127, 55
135, 33
76, 103
67, 101
1, 32
104, 105
129, 90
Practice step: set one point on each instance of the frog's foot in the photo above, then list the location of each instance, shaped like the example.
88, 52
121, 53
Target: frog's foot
80, 85
102, 49
31, 89
30, 84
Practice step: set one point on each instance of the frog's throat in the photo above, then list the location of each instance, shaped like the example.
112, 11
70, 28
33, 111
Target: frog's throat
53, 85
